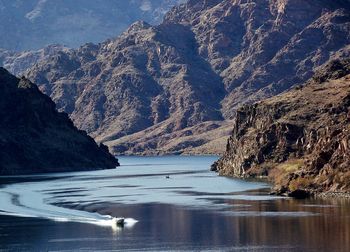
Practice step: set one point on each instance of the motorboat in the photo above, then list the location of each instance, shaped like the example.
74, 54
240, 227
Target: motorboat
119, 221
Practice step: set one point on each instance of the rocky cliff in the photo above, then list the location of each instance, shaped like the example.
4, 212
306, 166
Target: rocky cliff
35, 138
148, 90
300, 139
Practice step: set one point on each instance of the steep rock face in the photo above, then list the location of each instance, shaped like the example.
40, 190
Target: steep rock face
261, 48
149, 76
35, 138
33, 24
300, 138
206, 59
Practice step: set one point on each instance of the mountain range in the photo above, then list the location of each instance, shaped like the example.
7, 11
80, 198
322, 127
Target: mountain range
175, 87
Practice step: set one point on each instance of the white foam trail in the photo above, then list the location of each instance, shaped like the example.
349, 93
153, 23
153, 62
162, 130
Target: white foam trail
24, 201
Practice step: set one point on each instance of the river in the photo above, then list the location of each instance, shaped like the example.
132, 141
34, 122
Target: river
171, 203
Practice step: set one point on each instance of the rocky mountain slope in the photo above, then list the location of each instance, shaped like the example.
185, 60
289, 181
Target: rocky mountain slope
18, 63
205, 60
35, 138
33, 24
300, 139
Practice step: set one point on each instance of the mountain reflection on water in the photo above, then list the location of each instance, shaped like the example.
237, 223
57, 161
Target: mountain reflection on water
193, 210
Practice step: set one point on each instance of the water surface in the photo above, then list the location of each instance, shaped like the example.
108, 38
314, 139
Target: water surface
193, 209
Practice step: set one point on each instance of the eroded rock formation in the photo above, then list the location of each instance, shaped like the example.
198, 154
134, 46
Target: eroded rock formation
300, 139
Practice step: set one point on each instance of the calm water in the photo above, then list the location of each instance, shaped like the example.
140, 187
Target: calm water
193, 210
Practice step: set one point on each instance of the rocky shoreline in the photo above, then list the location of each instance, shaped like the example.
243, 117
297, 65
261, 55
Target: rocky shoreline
300, 140
327, 195
302, 194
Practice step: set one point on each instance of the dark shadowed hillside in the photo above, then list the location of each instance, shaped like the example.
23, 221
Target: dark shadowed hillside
35, 138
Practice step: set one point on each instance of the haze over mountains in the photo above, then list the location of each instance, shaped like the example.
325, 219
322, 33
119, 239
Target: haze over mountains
33, 24
174, 87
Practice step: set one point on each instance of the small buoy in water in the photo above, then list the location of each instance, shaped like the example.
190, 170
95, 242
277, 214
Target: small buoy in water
167, 177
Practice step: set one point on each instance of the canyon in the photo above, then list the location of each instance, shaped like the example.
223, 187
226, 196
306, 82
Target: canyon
173, 88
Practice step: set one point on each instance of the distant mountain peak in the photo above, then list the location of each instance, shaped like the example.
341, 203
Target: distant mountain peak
33, 24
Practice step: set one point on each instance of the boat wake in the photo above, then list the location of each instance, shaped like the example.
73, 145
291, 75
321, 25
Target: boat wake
20, 202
